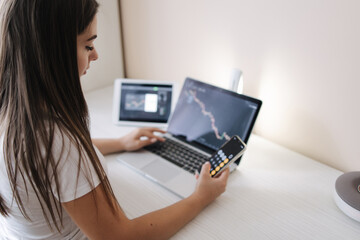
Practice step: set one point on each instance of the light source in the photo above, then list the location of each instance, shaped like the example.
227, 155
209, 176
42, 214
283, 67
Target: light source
236, 82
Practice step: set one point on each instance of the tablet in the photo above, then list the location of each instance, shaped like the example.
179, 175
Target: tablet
142, 102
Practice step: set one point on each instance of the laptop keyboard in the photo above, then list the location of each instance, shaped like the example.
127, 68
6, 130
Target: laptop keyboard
179, 154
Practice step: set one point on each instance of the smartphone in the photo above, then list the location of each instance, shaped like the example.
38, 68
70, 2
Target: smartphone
228, 153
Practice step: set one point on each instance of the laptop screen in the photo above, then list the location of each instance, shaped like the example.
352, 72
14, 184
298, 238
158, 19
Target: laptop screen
209, 116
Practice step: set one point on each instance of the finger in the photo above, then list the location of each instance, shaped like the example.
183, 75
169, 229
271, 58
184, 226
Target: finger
197, 173
157, 130
205, 169
144, 130
161, 139
224, 175
154, 129
150, 135
143, 143
145, 134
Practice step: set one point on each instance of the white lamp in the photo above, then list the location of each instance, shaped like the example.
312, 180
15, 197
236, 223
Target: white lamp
236, 81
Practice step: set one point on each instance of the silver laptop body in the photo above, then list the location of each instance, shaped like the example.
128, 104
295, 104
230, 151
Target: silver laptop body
203, 115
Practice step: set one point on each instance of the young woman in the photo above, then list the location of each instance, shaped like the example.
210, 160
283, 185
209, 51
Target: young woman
52, 179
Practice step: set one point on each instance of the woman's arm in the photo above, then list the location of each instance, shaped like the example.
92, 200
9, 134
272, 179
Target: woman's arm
99, 222
133, 141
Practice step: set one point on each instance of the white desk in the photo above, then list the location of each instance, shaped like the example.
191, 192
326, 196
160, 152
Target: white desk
274, 194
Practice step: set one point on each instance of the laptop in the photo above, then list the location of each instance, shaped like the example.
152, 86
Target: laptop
205, 116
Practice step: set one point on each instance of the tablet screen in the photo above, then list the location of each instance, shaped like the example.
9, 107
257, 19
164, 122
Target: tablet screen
145, 102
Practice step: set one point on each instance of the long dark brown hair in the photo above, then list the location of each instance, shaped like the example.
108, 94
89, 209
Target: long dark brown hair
40, 91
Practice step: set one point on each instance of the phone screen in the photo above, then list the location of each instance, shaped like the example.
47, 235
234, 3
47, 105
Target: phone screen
226, 154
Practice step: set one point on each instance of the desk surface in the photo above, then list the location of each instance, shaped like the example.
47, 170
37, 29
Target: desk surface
274, 194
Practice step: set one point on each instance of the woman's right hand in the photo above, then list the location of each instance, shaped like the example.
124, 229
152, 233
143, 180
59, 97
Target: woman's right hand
209, 188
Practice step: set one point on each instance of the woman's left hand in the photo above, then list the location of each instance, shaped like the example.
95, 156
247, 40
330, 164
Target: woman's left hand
140, 138
133, 141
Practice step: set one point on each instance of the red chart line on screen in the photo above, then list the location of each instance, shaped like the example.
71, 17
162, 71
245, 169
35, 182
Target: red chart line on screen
210, 116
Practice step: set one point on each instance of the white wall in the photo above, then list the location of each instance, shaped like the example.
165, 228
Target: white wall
108, 44
300, 57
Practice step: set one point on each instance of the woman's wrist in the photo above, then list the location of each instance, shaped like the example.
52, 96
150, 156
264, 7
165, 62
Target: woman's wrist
200, 200
121, 145
108, 146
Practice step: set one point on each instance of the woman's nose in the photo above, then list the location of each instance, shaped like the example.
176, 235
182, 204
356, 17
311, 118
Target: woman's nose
94, 55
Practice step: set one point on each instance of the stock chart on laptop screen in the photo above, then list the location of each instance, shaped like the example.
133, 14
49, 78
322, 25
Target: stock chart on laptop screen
210, 115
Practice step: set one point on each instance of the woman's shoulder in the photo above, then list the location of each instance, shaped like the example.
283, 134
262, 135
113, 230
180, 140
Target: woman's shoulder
60, 136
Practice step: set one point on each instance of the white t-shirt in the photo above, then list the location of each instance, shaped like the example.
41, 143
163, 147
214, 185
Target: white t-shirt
17, 227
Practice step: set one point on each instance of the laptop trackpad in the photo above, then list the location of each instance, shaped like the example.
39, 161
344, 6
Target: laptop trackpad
161, 171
